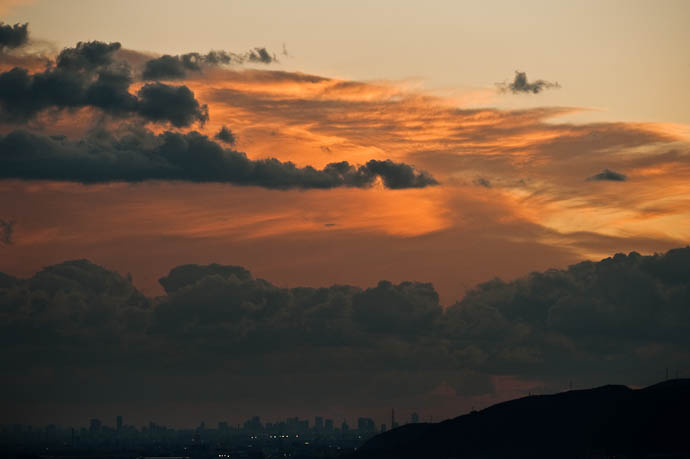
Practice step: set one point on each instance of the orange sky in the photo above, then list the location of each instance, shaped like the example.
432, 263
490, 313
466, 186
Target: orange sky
514, 193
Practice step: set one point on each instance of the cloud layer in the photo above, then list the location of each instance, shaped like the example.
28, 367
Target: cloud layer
619, 320
142, 155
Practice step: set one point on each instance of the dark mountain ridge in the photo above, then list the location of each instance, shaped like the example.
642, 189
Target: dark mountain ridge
601, 422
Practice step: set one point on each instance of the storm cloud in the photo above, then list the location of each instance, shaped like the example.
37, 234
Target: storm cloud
89, 76
13, 36
617, 319
142, 155
521, 85
608, 175
169, 67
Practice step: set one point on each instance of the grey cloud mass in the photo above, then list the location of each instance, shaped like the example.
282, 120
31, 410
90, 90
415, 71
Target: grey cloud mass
618, 319
608, 175
521, 85
13, 36
142, 155
89, 76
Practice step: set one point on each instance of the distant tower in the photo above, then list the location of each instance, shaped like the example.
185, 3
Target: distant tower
414, 418
393, 423
118, 423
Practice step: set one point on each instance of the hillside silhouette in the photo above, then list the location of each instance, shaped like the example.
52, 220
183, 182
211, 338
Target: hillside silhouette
602, 422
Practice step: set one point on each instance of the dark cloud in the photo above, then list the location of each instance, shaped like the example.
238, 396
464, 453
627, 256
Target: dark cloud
521, 85
174, 104
141, 155
13, 36
6, 231
619, 319
169, 67
87, 56
609, 175
88, 76
398, 175
226, 135
260, 55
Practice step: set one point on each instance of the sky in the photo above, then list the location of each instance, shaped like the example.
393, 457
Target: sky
319, 145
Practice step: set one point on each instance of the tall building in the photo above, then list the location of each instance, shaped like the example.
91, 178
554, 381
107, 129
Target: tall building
414, 418
328, 426
318, 423
118, 423
366, 425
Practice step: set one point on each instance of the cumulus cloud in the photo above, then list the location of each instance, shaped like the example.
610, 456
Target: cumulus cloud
175, 104
6, 231
521, 85
142, 155
13, 36
89, 76
87, 56
169, 67
608, 175
614, 320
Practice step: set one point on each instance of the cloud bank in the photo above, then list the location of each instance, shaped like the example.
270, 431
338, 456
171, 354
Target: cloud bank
619, 319
142, 155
